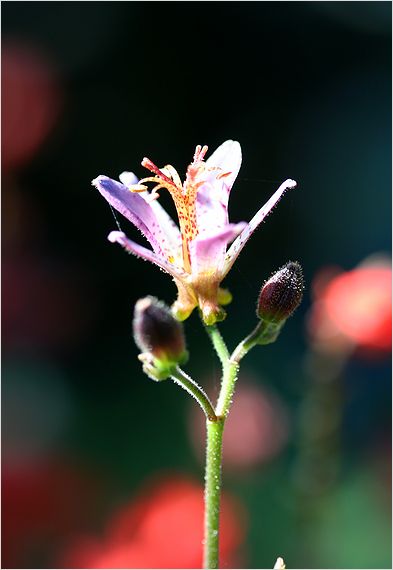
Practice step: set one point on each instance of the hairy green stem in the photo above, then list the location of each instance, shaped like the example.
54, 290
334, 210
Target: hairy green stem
188, 384
219, 344
214, 432
212, 492
264, 333
227, 389
245, 345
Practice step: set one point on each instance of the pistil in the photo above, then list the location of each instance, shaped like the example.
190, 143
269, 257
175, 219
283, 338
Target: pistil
184, 196
185, 209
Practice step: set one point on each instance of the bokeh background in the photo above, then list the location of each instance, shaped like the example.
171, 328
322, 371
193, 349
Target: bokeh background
102, 467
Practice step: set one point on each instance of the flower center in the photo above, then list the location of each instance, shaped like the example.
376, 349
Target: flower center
183, 195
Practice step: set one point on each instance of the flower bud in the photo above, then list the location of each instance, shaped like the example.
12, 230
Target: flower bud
281, 294
159, 336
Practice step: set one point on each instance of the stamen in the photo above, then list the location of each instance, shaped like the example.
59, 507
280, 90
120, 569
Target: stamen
184, 197
173, 174
137, 188
147, 163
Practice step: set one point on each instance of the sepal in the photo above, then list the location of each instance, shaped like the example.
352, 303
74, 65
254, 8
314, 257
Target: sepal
157, 369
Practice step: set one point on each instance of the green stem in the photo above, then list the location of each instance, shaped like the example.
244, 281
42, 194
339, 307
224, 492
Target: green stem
188, 384
227, 389
264, 333
245, 345
212, 491
214, 450
219, 344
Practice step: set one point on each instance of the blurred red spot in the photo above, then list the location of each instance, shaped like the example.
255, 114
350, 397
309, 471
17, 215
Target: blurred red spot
163, 528
354, 308
30, 103
42, 504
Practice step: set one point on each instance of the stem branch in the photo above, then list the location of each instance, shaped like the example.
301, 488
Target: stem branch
188, 384
264, 333
246, 345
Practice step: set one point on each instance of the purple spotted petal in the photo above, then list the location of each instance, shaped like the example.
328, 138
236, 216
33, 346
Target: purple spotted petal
172, 232
135, 208
168, 226
213, 195
147, 254
241, 241
207, 253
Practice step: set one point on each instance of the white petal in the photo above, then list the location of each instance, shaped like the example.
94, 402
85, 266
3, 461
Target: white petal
221, 171
227, 158
241, 241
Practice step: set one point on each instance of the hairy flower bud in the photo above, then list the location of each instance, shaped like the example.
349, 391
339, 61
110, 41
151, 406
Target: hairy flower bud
159, 336
281, 294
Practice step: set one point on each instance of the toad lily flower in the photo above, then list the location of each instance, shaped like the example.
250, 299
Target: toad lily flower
195, 253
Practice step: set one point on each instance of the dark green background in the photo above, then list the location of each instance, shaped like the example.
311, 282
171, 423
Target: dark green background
306, 89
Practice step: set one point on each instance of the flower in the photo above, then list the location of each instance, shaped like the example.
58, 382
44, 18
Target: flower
163, 528
353, 309
195, 253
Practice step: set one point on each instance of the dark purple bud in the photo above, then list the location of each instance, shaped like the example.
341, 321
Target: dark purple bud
157, 332
281, 294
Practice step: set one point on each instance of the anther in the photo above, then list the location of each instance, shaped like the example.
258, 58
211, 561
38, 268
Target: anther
137, 188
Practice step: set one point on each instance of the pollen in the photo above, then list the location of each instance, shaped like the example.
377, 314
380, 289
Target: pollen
137, 188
